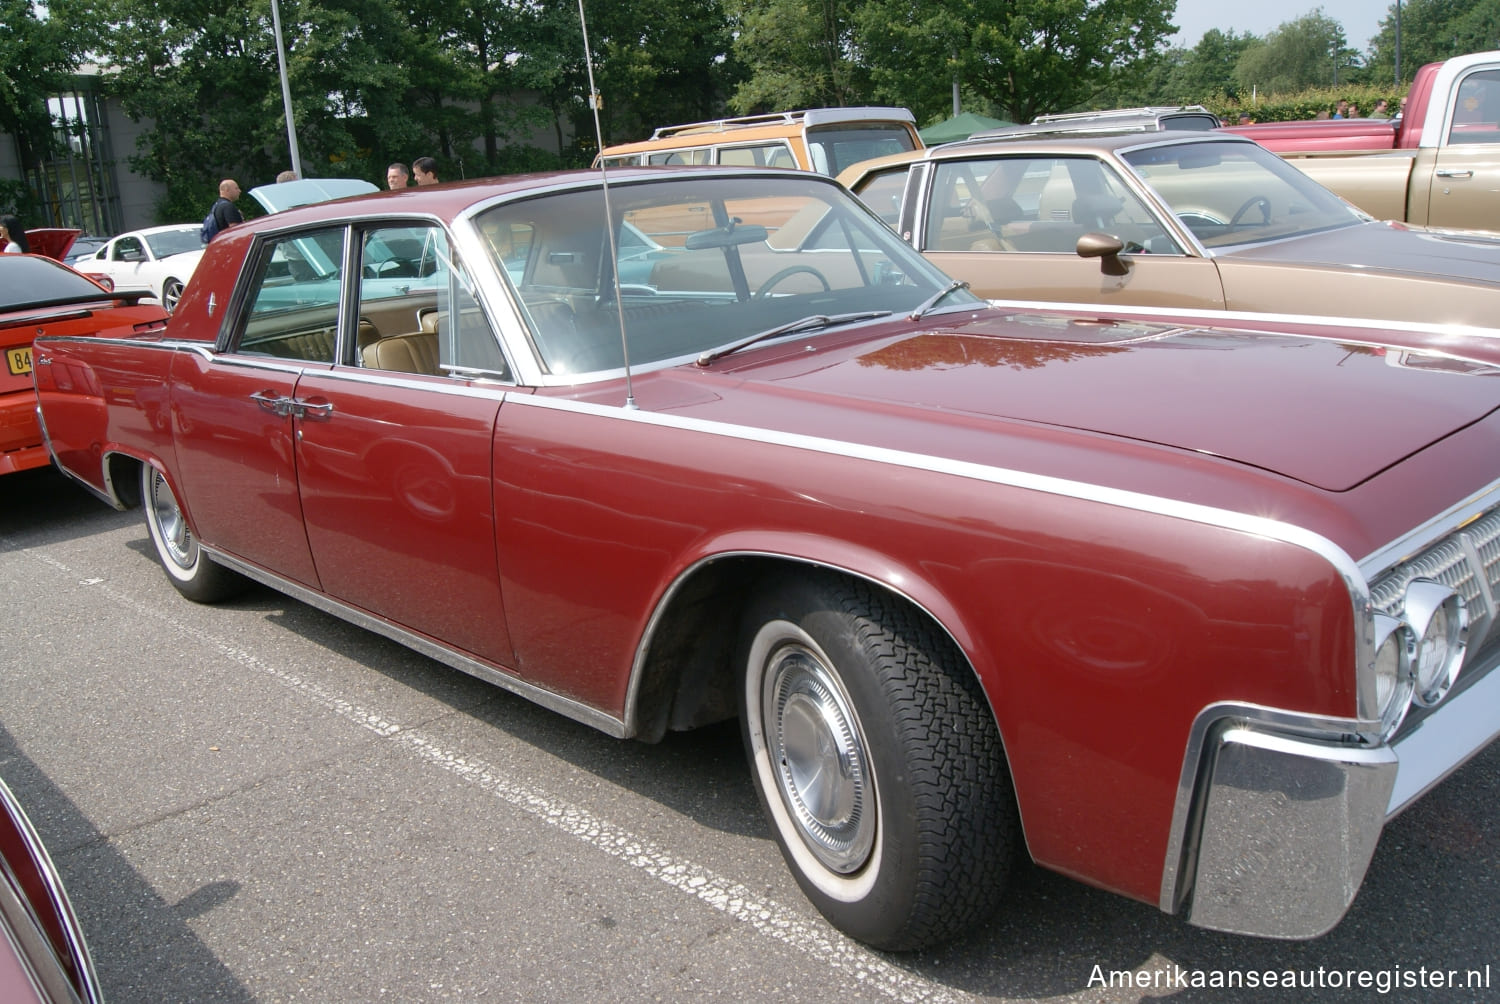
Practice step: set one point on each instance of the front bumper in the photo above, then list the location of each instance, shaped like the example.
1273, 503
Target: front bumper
1275, 828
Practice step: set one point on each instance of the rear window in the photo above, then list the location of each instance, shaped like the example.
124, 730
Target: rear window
834, 148
27, 282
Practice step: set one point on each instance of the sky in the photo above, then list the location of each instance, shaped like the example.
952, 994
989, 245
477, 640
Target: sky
1360, 18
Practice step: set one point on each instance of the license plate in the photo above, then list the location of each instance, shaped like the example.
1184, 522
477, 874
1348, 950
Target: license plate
18, 361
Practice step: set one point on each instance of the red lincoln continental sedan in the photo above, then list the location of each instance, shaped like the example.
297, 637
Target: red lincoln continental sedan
1186, 612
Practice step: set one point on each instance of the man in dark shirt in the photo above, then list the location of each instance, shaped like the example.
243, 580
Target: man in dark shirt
224, 213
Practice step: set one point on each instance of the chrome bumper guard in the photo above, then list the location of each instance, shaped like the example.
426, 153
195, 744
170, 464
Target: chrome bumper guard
1286, 824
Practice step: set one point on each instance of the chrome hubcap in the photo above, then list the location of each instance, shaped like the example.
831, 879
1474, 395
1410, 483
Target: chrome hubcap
176, 538
819, 759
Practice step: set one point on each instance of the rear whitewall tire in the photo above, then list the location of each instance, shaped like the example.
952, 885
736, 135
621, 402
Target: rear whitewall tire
192, 572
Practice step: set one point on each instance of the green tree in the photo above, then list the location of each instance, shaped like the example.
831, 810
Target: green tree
1306, 52
797, 54
1022, 57
38, 56
1208, 68
1433, 30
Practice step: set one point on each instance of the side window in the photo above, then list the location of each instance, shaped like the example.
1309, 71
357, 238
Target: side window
416, 310
128, 249
698, 155
763, 155
882, 193
294, 300
1476, 111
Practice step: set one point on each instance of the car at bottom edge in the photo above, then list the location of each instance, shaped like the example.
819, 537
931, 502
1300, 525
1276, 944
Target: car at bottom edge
1185, 611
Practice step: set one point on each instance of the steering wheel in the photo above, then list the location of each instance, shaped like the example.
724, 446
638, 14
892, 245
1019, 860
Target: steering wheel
1251, 203
787, 273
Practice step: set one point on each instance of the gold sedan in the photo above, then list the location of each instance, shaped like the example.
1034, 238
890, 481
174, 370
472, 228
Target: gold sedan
1191, 220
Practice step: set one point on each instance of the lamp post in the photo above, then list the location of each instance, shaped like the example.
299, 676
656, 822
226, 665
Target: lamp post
1398, 43
286, 91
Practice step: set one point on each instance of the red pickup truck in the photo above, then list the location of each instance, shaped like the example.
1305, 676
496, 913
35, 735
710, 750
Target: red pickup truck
1438, 164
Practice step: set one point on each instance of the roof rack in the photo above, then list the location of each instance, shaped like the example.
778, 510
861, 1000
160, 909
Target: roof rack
1115, 120
806, 116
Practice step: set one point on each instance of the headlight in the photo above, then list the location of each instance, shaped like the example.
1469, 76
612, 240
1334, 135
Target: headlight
1394, 651
1440, 621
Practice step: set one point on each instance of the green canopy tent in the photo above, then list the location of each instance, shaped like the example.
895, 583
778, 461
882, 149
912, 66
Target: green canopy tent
959, 127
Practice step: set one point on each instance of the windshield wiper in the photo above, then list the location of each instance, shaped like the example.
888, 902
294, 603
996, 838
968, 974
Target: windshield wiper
810, 323
936, 298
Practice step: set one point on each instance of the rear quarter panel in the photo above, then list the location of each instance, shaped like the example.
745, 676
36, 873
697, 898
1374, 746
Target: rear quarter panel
100, 395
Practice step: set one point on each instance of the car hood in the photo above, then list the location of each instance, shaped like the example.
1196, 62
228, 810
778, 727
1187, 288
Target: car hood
1318, 411
1389, 247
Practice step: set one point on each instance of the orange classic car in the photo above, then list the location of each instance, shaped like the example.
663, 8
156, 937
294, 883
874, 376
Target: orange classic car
40, 296
1194, 220
978, 583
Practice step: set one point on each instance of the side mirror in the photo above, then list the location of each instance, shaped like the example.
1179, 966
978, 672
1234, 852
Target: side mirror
1098, 245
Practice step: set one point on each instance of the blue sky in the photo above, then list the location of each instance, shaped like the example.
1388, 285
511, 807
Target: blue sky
1360, 18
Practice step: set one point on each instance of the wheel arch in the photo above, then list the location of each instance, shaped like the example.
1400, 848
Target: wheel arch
683, 673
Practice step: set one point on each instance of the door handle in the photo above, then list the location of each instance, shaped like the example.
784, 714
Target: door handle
273, 402
1451, 173
305, 409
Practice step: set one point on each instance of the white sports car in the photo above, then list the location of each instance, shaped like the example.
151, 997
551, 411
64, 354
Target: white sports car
157, 260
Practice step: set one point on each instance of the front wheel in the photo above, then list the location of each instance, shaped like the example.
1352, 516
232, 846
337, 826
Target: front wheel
877, 761
171, 292
195, 574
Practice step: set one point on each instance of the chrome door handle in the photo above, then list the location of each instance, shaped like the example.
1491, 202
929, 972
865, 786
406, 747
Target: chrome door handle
273, 402
306, 410
1450, 173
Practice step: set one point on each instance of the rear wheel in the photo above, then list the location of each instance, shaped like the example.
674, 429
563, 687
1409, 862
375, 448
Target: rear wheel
195, 574
877, 761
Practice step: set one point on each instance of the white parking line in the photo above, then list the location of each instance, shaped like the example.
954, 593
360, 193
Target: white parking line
766, 916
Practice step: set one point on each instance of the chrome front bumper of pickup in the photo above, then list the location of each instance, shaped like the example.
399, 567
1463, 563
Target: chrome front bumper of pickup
1275, 828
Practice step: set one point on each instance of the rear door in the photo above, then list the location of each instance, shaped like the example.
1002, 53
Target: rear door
236, 409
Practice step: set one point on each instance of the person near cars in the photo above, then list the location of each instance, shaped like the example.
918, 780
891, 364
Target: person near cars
424, 169
287, 175
13, 236
224, 213
397, 176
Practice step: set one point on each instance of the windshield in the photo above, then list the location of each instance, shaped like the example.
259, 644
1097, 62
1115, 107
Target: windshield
172, 242
702, 262
1239, 193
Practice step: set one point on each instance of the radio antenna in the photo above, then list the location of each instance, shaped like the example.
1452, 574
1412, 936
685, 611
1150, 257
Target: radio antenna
609, 215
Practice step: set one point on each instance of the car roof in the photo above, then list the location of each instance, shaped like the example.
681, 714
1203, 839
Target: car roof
1067, 143
452, 199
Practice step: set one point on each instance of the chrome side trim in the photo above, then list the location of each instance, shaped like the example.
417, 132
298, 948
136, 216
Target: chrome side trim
1354, 580
1207, 317
72, 930
448, 656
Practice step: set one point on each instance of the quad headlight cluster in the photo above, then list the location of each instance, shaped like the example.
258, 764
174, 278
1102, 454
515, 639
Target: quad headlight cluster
1419, 652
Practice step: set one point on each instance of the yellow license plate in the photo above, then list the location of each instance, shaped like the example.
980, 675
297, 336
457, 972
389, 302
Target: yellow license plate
18, 361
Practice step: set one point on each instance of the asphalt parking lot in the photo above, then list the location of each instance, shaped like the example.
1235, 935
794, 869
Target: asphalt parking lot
257, 801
